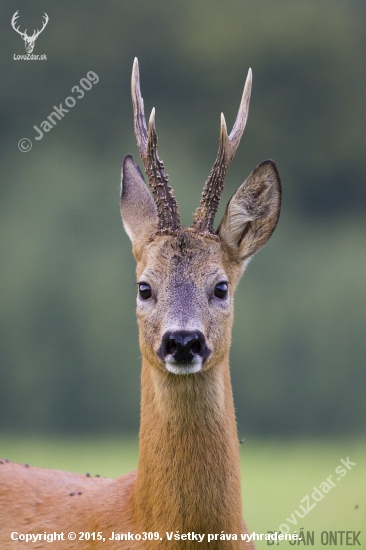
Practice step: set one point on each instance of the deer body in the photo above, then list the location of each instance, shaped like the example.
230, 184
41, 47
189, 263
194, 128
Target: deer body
188, 477
157, 497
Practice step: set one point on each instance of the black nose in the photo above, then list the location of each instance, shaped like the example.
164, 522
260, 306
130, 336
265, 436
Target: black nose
183, 346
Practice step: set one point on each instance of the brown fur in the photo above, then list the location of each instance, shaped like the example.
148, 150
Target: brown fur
188, 476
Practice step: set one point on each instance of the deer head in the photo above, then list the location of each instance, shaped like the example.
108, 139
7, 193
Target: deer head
29, 41
186, 276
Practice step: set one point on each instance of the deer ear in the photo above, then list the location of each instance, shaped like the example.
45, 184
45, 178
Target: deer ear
252, 212
138, 210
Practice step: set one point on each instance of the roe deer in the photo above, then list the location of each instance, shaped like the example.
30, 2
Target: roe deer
188, 477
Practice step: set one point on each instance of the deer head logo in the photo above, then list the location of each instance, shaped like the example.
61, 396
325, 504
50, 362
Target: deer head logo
29, 41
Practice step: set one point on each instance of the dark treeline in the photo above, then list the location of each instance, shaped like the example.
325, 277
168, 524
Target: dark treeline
69, 357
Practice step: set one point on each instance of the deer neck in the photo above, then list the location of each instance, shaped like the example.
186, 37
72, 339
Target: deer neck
188, 474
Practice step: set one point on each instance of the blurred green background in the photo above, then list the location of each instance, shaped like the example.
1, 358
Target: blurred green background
69, 357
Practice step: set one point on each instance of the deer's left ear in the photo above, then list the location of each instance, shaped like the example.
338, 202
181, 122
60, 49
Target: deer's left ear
252, 212
138, 210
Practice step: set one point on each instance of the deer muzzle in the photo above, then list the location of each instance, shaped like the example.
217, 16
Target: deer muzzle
183, 351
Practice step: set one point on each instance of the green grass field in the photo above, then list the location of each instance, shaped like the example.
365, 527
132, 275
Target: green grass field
275, 477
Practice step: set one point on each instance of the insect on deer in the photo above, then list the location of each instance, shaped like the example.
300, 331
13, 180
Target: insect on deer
188, 477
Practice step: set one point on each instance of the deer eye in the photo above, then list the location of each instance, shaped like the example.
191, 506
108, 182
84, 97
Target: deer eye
221, 290
144, 291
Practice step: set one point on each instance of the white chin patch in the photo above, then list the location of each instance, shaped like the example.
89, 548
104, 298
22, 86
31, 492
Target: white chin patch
184, 368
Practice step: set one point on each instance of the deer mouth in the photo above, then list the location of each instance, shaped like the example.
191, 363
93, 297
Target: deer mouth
183, 368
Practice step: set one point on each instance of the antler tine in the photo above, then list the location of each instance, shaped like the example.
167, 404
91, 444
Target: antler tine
38, 32
241, 119
204, 216
14, 18
147, 141
138, 111
13, 21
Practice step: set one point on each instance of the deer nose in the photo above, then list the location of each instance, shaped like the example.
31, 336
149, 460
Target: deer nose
183, 346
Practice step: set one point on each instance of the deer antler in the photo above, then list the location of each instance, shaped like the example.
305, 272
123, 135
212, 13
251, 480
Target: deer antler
147, 142
13, 21
38, 32
204, 216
